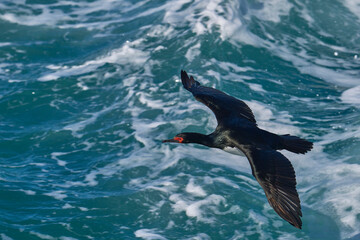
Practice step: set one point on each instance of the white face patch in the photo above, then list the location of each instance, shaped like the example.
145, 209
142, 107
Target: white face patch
233, 150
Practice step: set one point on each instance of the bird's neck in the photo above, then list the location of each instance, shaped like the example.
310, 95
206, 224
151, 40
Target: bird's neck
203, 139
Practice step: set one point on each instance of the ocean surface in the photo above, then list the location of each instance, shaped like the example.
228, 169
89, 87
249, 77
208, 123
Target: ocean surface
89, 88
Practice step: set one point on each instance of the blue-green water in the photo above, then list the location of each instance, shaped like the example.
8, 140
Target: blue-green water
89, 88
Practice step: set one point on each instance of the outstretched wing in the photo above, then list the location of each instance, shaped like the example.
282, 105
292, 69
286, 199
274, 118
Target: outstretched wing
276, 176
220, 103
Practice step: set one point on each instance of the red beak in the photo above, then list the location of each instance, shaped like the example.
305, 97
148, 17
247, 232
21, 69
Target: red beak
169, 140
175, 139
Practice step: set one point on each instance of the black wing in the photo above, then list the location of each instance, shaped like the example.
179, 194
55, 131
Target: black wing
220, 103
276, 176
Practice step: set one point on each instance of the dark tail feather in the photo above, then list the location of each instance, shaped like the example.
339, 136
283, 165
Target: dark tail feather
188, 82
295, 144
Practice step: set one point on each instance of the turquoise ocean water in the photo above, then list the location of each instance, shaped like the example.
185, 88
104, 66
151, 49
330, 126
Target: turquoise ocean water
88, 89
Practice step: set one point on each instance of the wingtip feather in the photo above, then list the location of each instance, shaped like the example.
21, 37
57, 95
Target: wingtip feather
277, 177
188, 82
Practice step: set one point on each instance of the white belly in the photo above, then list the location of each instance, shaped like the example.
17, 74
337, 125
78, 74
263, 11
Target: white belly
233, 150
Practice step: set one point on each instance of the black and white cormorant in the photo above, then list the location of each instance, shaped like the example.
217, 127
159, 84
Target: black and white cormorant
237, 129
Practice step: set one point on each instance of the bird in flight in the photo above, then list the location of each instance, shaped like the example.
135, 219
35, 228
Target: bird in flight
237, 130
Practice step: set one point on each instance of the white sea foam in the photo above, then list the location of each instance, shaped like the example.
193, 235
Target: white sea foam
193, 52
42, 236
47, 17
200, 236
149, 234
305, 12
16, 81
197, 209
127, 55
162, 184
84, 209
67, 206
195, 189
55, 155
287, 236
316, 173
82, 86
272, 10
352, 96
334, 136
75, 128
159, 48
67, 238
4, 44
5, 237
59, 195
139, 158
342, 192
170, 225
353, 6
3, 68
28, 192
210, 180
205, 17
256, 87
77, 16
259, 219
225, 18
280, 123
231, 67
305, 64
